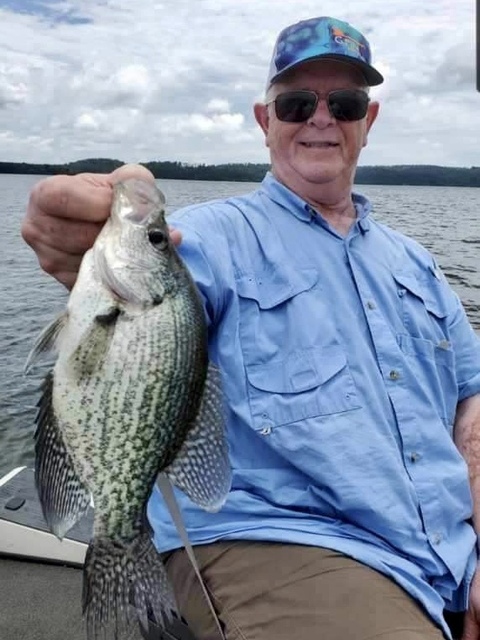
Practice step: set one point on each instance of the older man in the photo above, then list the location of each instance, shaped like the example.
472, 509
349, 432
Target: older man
350, 371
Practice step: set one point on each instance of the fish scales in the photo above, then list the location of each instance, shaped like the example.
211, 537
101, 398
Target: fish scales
142, 409
132, 394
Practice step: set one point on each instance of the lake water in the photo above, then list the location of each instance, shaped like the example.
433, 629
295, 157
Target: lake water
445, 220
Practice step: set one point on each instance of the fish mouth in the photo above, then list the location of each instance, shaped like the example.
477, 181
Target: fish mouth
138, 202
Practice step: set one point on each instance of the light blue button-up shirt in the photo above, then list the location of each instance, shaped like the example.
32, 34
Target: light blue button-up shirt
343, 360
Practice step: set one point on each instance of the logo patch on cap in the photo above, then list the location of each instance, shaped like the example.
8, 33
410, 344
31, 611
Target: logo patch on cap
358, 49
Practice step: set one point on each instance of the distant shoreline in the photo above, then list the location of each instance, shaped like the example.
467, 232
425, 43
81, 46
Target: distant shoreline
412, 175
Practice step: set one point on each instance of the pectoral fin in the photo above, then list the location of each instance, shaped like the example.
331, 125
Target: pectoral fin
46, 341
93, 347
202, 468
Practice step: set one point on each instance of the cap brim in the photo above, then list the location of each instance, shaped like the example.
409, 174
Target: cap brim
371, 75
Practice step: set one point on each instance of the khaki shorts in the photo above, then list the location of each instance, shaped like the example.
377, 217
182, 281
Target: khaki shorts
269, 591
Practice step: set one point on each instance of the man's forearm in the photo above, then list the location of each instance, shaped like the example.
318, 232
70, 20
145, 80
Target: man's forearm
467, 438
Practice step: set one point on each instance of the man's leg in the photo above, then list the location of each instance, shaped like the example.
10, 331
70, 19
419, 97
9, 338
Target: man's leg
265, 591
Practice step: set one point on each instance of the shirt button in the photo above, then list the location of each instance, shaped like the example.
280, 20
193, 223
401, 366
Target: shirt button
371, 305
444, 344
414, 456
394, 374
436, 538
266, 430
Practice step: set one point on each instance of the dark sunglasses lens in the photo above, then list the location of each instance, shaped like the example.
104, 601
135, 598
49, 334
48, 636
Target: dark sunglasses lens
295, 106
348, 105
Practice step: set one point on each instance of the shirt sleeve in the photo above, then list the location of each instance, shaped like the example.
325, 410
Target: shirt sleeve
466, 347
464, 341
204, 250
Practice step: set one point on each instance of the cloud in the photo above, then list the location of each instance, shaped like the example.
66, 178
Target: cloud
127, 86
200, 123
13, 86
176, 80
457, 69
218, 105
87, 121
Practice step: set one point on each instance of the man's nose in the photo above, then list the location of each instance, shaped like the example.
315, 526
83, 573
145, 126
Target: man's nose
321, 116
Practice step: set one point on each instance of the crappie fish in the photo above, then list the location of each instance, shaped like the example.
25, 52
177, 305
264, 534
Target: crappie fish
131, 394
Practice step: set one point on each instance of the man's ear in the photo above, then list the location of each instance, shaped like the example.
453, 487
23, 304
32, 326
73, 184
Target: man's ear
260, 112
372, 114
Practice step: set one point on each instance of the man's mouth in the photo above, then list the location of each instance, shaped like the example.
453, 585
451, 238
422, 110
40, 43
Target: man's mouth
319, 145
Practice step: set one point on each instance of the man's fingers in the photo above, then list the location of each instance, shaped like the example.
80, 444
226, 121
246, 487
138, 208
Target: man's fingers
131, 171
71, 236
86, 196
64, 267
83, 197
66, 213
175, 235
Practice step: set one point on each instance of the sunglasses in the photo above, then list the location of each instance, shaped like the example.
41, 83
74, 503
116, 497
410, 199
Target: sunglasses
347, 105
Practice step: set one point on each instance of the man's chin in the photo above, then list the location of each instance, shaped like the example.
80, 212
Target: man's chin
317, 174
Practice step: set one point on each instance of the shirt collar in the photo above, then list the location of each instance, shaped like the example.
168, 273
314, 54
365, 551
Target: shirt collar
286, 198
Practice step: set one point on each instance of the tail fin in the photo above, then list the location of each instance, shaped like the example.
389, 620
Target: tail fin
122, 584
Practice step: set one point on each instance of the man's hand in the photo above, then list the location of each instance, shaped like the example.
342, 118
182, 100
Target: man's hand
65, 215
471, 628
467, 438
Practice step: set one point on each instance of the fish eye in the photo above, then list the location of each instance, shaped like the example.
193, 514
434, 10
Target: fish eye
158, 238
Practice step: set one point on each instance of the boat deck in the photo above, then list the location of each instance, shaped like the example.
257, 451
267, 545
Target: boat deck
41, 578
40, 601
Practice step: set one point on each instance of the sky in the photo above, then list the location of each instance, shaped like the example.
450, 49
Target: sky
176, 80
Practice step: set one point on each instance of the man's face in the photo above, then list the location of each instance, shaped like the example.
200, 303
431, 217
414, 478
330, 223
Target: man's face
321, 150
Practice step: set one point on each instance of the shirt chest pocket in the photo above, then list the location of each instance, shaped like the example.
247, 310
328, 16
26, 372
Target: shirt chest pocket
422, 307
425, 341
295, 368
305, 384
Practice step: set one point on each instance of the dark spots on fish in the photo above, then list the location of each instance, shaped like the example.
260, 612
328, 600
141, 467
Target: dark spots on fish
107, 319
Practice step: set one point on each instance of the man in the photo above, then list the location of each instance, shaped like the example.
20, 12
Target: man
351, 375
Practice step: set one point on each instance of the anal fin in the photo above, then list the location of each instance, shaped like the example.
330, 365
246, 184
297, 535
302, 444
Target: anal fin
63, 496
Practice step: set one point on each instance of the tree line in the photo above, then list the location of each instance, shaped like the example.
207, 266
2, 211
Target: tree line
422, 175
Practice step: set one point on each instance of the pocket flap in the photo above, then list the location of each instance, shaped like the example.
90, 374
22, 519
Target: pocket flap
272, 288
300, 371
426, 289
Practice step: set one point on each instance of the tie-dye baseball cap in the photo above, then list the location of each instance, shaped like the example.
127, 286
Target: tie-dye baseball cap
322, 38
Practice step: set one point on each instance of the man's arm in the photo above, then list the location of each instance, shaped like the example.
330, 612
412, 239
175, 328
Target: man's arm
467, 438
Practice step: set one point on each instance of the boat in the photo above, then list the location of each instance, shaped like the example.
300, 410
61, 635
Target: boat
41, 576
